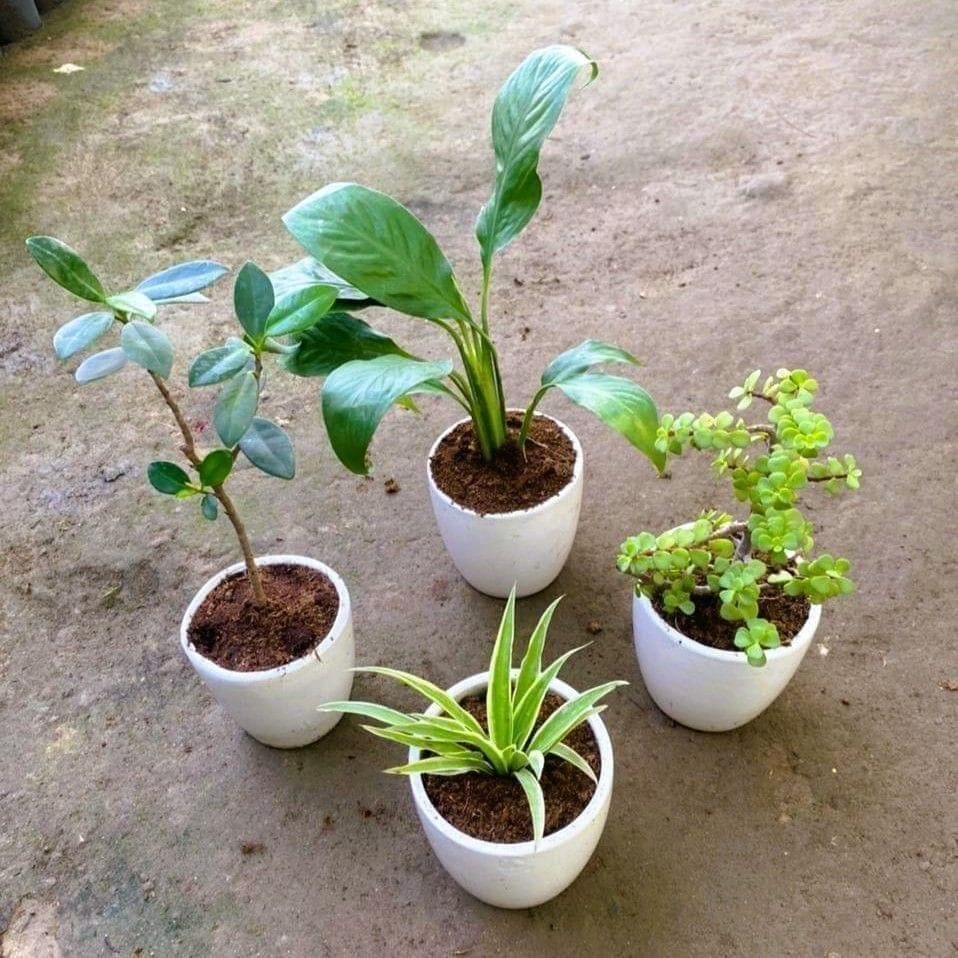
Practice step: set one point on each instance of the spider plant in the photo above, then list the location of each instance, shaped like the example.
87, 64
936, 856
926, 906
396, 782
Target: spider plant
456, 743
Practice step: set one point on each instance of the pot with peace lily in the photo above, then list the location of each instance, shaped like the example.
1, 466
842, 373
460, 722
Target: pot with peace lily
505, 483
271, 636
724, 610
511, 770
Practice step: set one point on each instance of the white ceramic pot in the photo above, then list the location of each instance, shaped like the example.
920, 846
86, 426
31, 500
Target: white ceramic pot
518, 875
710, 689
278, 706
527, 548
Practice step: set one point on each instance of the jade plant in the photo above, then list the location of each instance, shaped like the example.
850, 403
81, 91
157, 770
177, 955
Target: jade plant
510, 743
238, 364
739, 560
367, 249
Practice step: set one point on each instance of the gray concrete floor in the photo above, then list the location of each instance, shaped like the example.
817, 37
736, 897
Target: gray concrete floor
749, 183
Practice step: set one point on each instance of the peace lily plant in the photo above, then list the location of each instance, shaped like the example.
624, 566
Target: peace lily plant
366, 248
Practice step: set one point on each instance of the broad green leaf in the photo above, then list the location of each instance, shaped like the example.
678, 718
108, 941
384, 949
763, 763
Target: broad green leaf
568, 716
339, 338
527, 708
307, 272
299, 311
431, 692
442, 766
621, 404
167, 477
499, 689
79, 333
100, 364
379, 247
215, 365
268, 448
531, 664
188, 298
209, 507
134, 303
148, 346
380, 713
357, 394
581, 358
235, 408
253, 300
537, 806
215, 467
66, 268
570, 755
182, 280
526, 109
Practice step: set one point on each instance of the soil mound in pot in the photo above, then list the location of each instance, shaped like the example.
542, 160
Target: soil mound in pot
511, 481
232, 631
494, 807
788, 614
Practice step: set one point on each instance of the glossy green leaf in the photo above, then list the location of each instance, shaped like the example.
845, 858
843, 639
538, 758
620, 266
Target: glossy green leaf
537, 806
215, 467
526, 109
134, 303
209, 507
79, 333
299, 311
167, 477
100, 364
148, 346
269, 448
215, 365
307, 272
499, 689
356, 396
339, 338
581, 358
622, 405
379, 247
66, 268
182, 280
253, 300
235, 408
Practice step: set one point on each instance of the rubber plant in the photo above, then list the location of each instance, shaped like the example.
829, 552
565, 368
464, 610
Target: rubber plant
738, 560
238, 364
372, 250
510, 743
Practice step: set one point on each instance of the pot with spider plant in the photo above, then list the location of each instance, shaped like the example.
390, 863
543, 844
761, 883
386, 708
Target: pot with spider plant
505, 483
272, 636
511, 770
725, 609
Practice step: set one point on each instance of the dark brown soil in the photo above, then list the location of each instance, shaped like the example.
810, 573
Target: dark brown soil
510, 482
788, 613
230, 630
494, 807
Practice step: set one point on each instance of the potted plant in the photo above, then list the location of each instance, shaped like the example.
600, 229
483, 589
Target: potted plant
511, 770
272, 636
505, 484
724, 609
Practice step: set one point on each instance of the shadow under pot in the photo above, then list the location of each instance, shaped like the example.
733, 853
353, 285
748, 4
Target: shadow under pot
711, 690
512, 522
518, 874
276, 705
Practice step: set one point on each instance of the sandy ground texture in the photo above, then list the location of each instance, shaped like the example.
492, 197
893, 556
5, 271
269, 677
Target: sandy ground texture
749, 183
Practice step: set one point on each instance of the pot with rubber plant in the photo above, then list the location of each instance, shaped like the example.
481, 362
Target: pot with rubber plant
511, 770
725, 609
505, 482
271, 636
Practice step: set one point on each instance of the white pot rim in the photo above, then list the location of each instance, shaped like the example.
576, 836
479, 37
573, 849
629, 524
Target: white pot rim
469, 686
797, 644
252, 678
531, 510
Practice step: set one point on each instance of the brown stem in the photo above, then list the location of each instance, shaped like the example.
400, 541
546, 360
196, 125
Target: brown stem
731, 529
189, 450
843, 475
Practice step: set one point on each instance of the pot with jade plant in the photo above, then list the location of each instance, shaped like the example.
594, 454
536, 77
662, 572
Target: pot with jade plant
725, 609
272, 636
505, 483
511, 770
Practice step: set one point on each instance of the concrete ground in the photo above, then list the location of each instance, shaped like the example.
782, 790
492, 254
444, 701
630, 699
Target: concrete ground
749, 183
